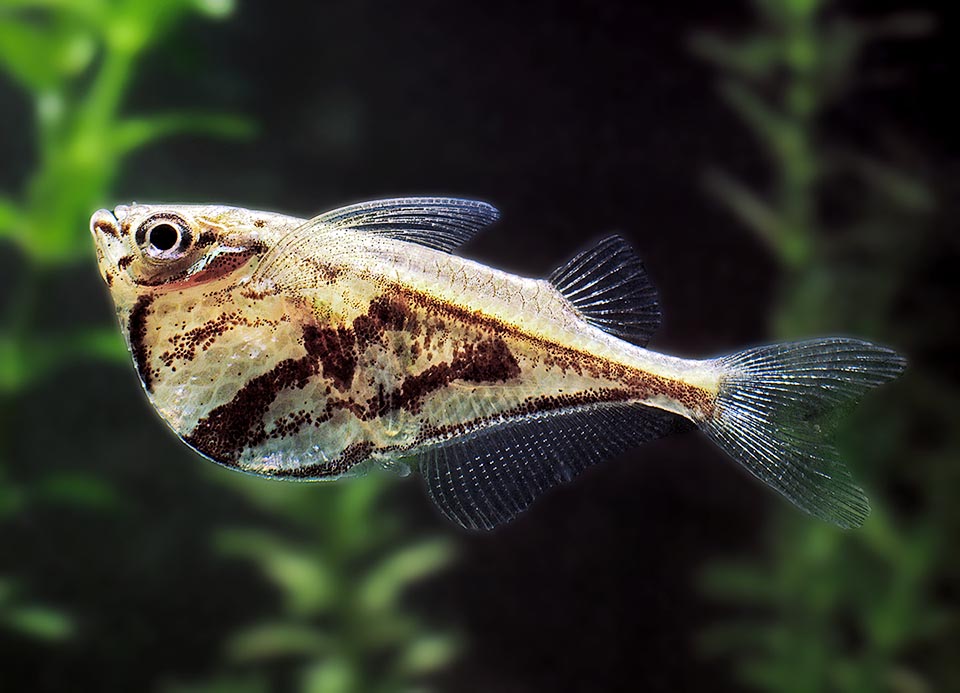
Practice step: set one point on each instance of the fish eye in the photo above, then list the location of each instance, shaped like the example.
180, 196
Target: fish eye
164, 237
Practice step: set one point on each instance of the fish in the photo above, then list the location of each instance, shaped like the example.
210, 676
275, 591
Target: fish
324, 348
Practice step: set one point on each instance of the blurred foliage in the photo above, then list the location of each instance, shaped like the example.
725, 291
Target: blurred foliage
827, 609
30, 619
341, 623
75, 59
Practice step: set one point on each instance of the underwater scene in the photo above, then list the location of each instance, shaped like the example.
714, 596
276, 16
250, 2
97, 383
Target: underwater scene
526, 340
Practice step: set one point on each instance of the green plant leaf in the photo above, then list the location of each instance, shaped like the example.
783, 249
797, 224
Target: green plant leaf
78, 489
270, 640
773, 128
427, 654
754, 58
755, 213
821, 586
38, 622
23, 364
305, 580
383, 584
361, 522
357, 500
100, 343
42, 57
10, 214
28, 54
307, 505
215, 9
334, 675
898, 185
12, 367
93, 10
135, 133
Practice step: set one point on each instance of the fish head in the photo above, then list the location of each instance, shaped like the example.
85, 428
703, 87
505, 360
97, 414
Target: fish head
156, 248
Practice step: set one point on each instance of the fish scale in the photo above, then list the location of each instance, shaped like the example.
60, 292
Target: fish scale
317, 349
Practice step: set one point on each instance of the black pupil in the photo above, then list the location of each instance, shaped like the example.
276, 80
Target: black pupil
163, 236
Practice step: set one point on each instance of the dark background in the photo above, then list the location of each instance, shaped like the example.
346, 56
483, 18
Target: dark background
576, 119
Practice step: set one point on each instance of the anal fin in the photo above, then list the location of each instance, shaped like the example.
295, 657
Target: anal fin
609, 287
488, 477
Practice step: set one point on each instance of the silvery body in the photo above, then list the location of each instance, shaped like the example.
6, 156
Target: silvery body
315, 349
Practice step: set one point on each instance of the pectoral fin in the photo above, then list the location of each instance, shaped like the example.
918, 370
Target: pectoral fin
488, 477
441, 223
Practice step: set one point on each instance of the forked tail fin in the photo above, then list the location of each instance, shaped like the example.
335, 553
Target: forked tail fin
771, 410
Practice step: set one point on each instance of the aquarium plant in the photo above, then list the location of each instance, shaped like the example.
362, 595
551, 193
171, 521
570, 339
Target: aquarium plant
827, 609
75, 61
339, 558
342, 622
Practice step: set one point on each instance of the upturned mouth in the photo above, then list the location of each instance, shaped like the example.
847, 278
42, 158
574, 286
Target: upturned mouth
113, 253
103, 222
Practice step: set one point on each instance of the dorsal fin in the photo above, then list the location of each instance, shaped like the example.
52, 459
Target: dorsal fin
609, 287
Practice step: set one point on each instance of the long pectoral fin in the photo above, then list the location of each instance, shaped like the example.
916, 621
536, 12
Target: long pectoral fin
441, 223
488, 477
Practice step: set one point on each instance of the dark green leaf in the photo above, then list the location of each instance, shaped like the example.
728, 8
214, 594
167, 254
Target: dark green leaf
38, 622
382, 585
77, 488
270, 640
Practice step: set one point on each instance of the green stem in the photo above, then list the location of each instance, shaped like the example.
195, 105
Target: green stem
23, 305
103, 100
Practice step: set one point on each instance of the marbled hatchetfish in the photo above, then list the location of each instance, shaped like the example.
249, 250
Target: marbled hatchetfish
318, 349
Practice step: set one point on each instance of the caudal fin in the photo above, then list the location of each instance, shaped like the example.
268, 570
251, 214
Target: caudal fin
773, 404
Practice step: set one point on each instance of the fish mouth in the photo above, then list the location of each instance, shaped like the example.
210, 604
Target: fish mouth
103, 223
111, 244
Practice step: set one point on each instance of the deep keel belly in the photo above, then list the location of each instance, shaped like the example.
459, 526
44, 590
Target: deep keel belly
302, 349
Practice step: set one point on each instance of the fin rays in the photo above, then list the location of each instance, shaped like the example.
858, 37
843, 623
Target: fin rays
441, 223
609, 287
488, 477
771, 405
